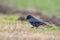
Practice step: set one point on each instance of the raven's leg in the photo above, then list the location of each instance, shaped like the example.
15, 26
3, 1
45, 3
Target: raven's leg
36, 27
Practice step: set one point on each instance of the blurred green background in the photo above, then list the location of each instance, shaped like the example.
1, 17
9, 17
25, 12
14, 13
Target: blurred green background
49, 7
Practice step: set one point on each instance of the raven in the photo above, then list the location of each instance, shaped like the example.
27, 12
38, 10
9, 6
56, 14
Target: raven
34, 22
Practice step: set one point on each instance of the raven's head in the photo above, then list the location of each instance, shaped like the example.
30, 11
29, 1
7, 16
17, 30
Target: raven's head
28, 17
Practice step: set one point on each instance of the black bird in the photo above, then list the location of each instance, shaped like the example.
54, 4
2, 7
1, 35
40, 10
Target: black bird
34, 22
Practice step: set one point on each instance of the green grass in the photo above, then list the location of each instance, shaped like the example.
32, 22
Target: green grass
12, 19
49, 7
8, 19
45, 30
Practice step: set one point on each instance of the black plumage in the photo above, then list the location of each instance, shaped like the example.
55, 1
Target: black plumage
34, 22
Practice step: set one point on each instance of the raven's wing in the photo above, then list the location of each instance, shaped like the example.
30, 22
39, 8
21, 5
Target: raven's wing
33, 20
36, 22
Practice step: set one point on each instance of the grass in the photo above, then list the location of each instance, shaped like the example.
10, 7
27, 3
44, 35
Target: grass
8, 19
49, 7
20, 31
23, 31
12, 19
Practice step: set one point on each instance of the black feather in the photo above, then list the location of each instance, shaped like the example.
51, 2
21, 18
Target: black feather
34, 22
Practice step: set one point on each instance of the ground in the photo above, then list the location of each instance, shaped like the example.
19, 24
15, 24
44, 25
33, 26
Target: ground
11, 29
19, 31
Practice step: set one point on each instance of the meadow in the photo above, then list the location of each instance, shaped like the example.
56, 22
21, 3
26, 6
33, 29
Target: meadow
12, 29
